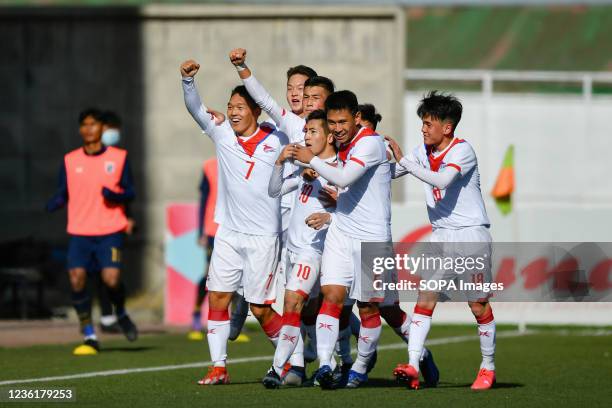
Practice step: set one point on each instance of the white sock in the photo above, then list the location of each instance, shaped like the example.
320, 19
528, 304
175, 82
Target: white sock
343, 346
486, 333
218, 333
369, 333
288, 339
420, 322
327, 332
297, 357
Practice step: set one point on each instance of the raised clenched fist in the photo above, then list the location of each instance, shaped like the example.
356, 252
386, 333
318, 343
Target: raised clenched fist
189, 68
238, 56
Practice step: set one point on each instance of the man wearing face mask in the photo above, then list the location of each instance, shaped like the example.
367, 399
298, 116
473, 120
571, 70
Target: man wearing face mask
95, 182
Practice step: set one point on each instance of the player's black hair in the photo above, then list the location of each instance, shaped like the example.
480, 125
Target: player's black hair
368, 112
321, 81
93, 112
242, 91
441, 106
302, 70
342, 100
111, 119
318, 114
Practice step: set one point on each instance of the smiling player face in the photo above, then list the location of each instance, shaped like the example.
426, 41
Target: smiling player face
295, 90
242, 118
434, 130
342, 124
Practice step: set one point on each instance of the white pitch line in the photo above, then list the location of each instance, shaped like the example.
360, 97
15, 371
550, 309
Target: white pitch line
455, 339
395, 346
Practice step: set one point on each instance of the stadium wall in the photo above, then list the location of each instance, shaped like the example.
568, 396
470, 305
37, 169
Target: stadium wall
61, 60
562, 193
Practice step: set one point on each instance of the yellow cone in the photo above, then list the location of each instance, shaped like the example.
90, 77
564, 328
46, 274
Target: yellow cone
195, 335
85, 350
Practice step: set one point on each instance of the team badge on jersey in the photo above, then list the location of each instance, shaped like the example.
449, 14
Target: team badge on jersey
109, 167
268, 149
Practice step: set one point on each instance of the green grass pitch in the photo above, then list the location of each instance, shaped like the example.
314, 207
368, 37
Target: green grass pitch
545, 367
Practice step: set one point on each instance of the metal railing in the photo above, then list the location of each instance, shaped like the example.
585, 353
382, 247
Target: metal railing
488, 77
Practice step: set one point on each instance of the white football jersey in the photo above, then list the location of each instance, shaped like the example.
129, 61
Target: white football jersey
460, 205
293, 126
301, 238
363, 210
245, 166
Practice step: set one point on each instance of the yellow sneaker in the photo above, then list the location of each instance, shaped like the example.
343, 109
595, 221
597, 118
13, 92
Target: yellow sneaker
89, 348
195, 335
242, 338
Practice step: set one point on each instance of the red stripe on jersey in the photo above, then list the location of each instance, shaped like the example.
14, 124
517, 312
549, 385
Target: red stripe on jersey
345, 150
250, 145
436, 162
356, 160
453, 165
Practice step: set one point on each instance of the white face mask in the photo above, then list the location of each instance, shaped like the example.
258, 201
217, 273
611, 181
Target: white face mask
111, 137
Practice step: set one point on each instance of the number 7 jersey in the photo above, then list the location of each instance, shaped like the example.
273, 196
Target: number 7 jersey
245, 166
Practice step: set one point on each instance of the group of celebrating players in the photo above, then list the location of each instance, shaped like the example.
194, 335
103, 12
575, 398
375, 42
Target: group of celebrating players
300, 196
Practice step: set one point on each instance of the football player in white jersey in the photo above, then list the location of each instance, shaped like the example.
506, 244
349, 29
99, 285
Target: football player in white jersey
363, 214
247, 245
448, 167
305, 94
296, 76
304, 243
390, 309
